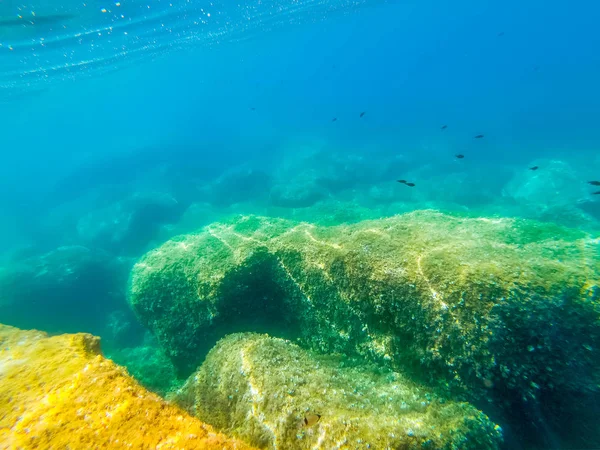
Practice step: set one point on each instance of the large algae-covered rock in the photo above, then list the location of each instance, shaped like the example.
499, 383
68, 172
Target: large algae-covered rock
262, 389
59, 392
479, 306
197, 288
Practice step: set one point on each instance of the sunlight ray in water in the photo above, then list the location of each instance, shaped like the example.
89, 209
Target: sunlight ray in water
82, 39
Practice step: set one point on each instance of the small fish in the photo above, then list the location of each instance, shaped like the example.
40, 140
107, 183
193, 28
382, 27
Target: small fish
479, 136
362, 113
534, 168
252, 109
596, 193
444, 127
410, 184
311, 419
402, 181
460, 156
334, 119
594, 183
501, 34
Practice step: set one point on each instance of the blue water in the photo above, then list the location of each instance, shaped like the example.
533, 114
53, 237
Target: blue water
162, 96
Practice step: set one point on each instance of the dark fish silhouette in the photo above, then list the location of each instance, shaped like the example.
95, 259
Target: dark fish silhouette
30, 20
444, 127
362, 113
501, 34
460, 156
410, 184
252, 109
311, 419
479, 136
596, 193
534, 168
401, 181
334, 119
594, 183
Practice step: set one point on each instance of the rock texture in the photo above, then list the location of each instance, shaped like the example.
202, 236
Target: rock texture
59, 392
261, 389
504, 311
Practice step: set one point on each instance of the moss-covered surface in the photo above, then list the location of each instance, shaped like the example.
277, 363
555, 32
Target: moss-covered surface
260, 389
60, 393
499, 310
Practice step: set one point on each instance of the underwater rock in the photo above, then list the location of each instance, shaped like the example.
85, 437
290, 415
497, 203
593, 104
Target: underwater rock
480, 188
196, 216
272, 394
59, 392
304, 178
554, 192
590, 207
126, 172
556, 185
489, 309
300, 191
237, 185
334, 212
69, 289
339, 171
127, 226
308, 176
121, 202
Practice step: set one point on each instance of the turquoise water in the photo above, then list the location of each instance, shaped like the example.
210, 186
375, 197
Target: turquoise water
125, 124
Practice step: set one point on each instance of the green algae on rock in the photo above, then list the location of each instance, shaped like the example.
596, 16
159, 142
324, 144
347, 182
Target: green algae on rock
486, 308
260, 389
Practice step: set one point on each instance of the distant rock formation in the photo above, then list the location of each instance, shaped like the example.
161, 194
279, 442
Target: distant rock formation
68, 289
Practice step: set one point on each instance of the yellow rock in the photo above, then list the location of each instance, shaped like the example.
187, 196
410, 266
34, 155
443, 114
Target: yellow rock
59, 392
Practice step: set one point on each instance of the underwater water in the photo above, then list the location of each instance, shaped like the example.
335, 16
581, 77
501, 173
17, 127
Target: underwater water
307, 224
